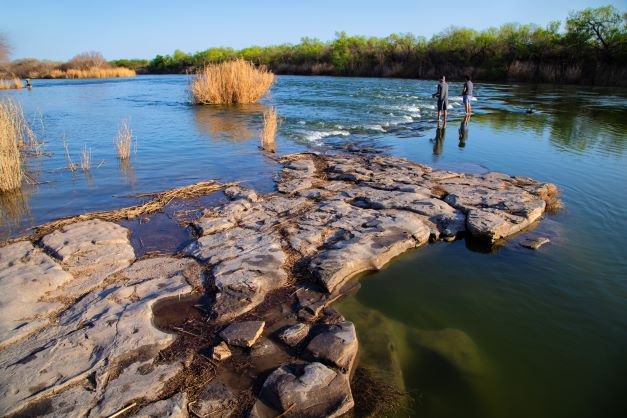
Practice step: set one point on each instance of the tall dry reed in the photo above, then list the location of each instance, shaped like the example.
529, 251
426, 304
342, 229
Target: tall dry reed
123, 141
231, 82
268, 133
114, 72
11, 133
86, 158
16, 83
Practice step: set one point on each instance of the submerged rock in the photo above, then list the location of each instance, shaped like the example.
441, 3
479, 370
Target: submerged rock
243, 334
535, 243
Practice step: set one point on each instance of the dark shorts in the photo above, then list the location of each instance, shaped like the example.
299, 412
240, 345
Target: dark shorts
467, 99
442, 104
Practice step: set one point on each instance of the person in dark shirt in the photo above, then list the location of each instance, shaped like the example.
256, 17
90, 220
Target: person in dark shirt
467, 94
442, 95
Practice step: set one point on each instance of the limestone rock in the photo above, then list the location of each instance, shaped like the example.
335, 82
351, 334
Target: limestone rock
294, 334
107, 332
335, 344
216, 400
243, 334
174, 407
27, 274
220, 352
308, 390
535, 243
139, 381
91, 251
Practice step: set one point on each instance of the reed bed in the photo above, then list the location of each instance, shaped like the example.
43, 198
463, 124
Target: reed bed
268, 133
231, 82
16, 137
123, 141
15, 83
114, 72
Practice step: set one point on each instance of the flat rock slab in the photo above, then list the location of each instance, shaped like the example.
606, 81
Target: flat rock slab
106, 340
535, 243
335, 344
91, 251
27, 276
243, 334
307, 390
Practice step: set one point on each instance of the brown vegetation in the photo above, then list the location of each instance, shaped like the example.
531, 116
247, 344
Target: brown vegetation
231, 82
94, 72
16, 83
123, 141
268, 133
10, 164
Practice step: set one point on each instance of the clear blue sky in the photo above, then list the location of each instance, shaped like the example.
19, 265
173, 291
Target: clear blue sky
59, 29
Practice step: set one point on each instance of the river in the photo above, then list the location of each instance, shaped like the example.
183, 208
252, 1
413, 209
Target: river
474, 332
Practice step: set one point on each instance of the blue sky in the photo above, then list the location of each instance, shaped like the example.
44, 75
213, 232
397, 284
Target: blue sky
142, 28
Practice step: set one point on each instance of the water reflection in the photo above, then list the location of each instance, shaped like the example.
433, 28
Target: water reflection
573, 119
14, 210
128, 172
233, 123
438, 141
463, 131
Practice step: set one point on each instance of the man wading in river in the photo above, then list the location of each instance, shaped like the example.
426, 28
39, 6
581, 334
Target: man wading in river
442, 95
467, 94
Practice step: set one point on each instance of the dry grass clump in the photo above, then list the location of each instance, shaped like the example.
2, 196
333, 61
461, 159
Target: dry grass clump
10, 165
16, 83
268, 133
113, 72
123, 141
15, 136
232, 82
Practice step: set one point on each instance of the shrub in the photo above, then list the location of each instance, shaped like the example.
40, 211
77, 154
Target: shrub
16, 83
231, 82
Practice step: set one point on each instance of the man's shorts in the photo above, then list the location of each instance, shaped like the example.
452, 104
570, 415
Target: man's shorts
442, 104
467, 99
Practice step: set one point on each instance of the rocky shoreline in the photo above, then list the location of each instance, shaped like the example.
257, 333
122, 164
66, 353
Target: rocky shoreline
253, 333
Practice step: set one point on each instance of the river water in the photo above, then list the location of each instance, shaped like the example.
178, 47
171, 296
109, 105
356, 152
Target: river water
467, 331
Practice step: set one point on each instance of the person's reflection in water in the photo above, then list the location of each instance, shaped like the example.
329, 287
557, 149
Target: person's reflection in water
438, 145
463, 131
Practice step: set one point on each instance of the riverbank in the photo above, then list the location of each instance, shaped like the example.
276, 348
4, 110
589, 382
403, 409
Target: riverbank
98, 334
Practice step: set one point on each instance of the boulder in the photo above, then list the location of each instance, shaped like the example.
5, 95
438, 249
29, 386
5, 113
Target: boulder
173, 407
308, 390
335, 344
243, 334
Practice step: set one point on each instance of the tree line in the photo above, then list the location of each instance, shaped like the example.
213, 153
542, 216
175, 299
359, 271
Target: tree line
591, 46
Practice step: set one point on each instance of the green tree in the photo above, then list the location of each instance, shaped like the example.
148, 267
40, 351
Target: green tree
602, 27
